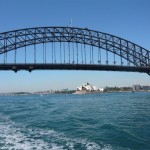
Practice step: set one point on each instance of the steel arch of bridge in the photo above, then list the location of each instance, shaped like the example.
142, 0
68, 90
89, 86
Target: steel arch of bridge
132, 52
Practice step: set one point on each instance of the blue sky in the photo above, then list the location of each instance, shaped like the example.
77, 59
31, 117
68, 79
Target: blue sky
129, 19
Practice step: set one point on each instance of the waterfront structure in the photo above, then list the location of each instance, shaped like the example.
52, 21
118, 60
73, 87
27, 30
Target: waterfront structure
145, 88
70, 48
101, 89
136, 87
87, 88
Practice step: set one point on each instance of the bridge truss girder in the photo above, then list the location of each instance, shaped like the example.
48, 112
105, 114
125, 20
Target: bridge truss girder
132, 52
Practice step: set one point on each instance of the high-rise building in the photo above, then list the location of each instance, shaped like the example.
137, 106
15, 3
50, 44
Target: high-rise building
136, 87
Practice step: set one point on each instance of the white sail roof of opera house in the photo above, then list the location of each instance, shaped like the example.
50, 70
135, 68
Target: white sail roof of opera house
88, 87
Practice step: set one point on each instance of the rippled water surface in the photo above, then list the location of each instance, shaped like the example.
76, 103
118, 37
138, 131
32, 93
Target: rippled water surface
112, 121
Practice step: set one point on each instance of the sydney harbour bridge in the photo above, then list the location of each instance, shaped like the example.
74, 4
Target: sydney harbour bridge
70, 48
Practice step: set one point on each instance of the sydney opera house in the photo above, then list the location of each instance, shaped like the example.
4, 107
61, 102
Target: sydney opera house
87, 88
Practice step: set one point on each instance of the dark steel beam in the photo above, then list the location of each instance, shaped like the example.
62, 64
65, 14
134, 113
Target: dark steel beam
31, 67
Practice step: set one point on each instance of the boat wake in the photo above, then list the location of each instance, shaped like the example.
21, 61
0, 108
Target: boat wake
20, 137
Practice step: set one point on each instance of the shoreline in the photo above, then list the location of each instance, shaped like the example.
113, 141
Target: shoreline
75, 93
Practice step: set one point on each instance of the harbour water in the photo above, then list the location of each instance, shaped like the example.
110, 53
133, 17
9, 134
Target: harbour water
110, 121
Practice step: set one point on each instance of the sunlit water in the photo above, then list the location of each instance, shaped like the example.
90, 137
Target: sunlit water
112, 121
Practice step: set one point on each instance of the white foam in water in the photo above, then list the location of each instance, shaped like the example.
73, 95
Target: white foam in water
12, 138
68, 142
18, 137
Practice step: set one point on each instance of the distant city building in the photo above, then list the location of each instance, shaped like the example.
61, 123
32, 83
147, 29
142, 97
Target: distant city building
136, 87
64, 90
145, 88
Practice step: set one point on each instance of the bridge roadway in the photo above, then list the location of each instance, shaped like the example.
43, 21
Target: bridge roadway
97, 67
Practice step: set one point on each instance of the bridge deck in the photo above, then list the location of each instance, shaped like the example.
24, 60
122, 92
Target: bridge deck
96, 67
